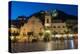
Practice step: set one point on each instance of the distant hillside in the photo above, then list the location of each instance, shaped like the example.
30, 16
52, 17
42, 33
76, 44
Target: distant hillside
60, 15
56, 15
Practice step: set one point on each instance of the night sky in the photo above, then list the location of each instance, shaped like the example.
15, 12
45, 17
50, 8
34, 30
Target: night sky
29, 8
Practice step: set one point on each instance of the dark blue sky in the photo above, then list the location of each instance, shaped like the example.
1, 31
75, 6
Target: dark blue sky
28, 8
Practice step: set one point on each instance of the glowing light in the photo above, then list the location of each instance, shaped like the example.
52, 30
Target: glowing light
58, 36
47, 24
47, 31
70, 35
65, 35
12, 37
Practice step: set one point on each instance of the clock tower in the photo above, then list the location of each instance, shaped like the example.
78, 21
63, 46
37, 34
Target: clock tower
47, 19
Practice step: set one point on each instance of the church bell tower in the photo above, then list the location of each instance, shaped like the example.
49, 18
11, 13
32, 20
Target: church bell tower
47, 25
47, 19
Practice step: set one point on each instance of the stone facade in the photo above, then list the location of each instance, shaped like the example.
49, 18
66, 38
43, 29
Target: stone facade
59, 27
33, 25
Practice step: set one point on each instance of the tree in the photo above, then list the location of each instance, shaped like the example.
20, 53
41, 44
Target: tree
47, 37
40, 33
21, 20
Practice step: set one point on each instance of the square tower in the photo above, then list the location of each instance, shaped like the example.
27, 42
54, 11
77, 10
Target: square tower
47, 19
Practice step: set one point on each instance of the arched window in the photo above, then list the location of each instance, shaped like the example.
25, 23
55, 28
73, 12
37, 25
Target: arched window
58, 26
63, 26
